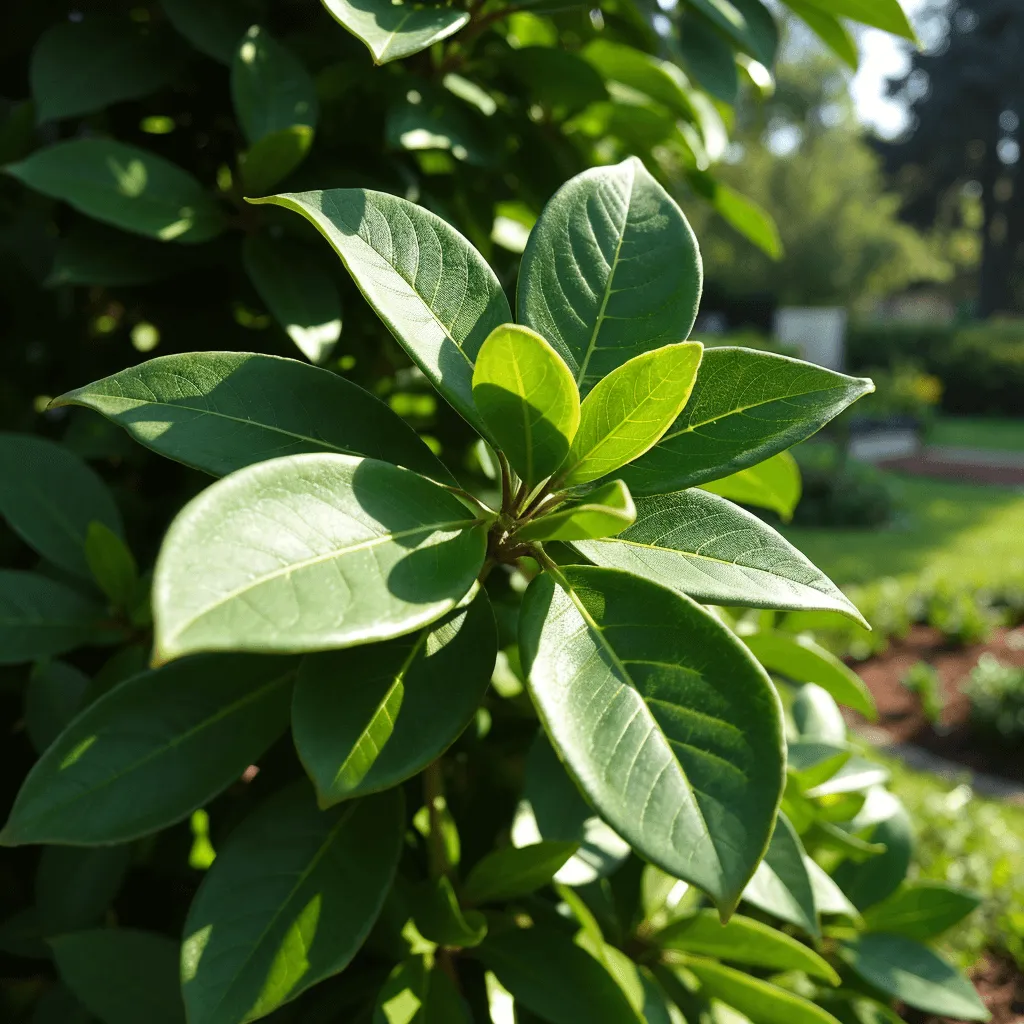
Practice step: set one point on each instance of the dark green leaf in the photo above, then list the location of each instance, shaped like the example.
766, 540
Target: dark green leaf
774, 484
611, 270
911, 972
781, 885
288, 902
817, 716
152, 750
707, 55
80, 67
603, 512
74, 887
668, 724
370, 717
52, 698
871, 882
312, 552
748, 23
124, 186
220, 411
93, 254
661, 80
432, 289
417, 994
558, 80
746, 406
429, 118
270, 160
921, 910
58, 1006
121, 975
439, 918
828, 897
213, 27
511, 872
49, 497
830, 30
394, 30
707, 548
112, 564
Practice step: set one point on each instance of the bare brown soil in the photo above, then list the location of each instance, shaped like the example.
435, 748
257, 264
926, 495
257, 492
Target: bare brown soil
949, 469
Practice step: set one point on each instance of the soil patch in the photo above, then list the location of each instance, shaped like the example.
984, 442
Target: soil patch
925, 464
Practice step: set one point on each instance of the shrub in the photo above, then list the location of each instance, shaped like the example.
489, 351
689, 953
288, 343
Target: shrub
923, 681
996, 692
841, 492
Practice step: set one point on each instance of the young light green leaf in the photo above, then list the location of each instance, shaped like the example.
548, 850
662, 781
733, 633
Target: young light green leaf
220, 411
670, 727
921, 910
417, 994
526, 395
50, 496
801, 660
603, 512
746, 406
611, 270
112, 564
551, 976
288, 902
80, 67
270, 88
52, 698
829, 29
122, 975
272, 158
760, 1001
628, 411
887, 15
432, 289
743, 941
124, 186
213, 27
370, 717
41, 618
394, 30
439, 918
511, 872
872, 881
310, 553
906, 970
773, 484
297, 290
781, 885
152, 750
74, 887
707, 548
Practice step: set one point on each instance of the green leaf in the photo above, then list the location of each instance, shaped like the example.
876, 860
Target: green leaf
432, 289
271, 159
603, 512
781, 885
670, 727
871, 882
554, 978
93, 254
801, 660
830, 30
112, 564
759, 1001
906, 970
429, 118
297, 290
887, 15
511, 872
312, 552
50, 496
80, 67
611, 270
40, 618
417, 994
752, 221
748, 23
213, 27
125, 186
746, 406
152, 750
394, 30
288, 902
661, 80
773, 484
58, 1006
828, 897
557, 79
122, 975
74, 887
439, 918
813, 762
921, 910
817, 716
743, 941
370, 717
708, 56
220, 411
628, 410
707, 548
526, 395
53, 696
270, 88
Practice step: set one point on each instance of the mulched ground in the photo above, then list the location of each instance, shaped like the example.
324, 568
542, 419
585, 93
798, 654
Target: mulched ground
934, 466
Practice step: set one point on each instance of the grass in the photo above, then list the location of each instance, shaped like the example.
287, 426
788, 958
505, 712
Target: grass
969, 533
1002, 435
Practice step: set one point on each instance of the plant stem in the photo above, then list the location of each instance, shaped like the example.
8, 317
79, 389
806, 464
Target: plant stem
506, 484
550, 501
433, 795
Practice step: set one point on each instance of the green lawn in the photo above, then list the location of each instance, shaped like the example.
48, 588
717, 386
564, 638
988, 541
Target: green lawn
970, 533
968, 432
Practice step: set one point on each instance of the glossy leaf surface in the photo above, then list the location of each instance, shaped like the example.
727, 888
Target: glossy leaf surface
123, 185
668, 725
112, 565
432, 289
921, 910
781, 885
152, 750
707, 548
395, 30
817, 716
627, 412
220, 411
611, 270
526, 395
603, 512
370, 717
288, 902
773, 484
661, 80
515, 871
746, 407
439, 918
312, 552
